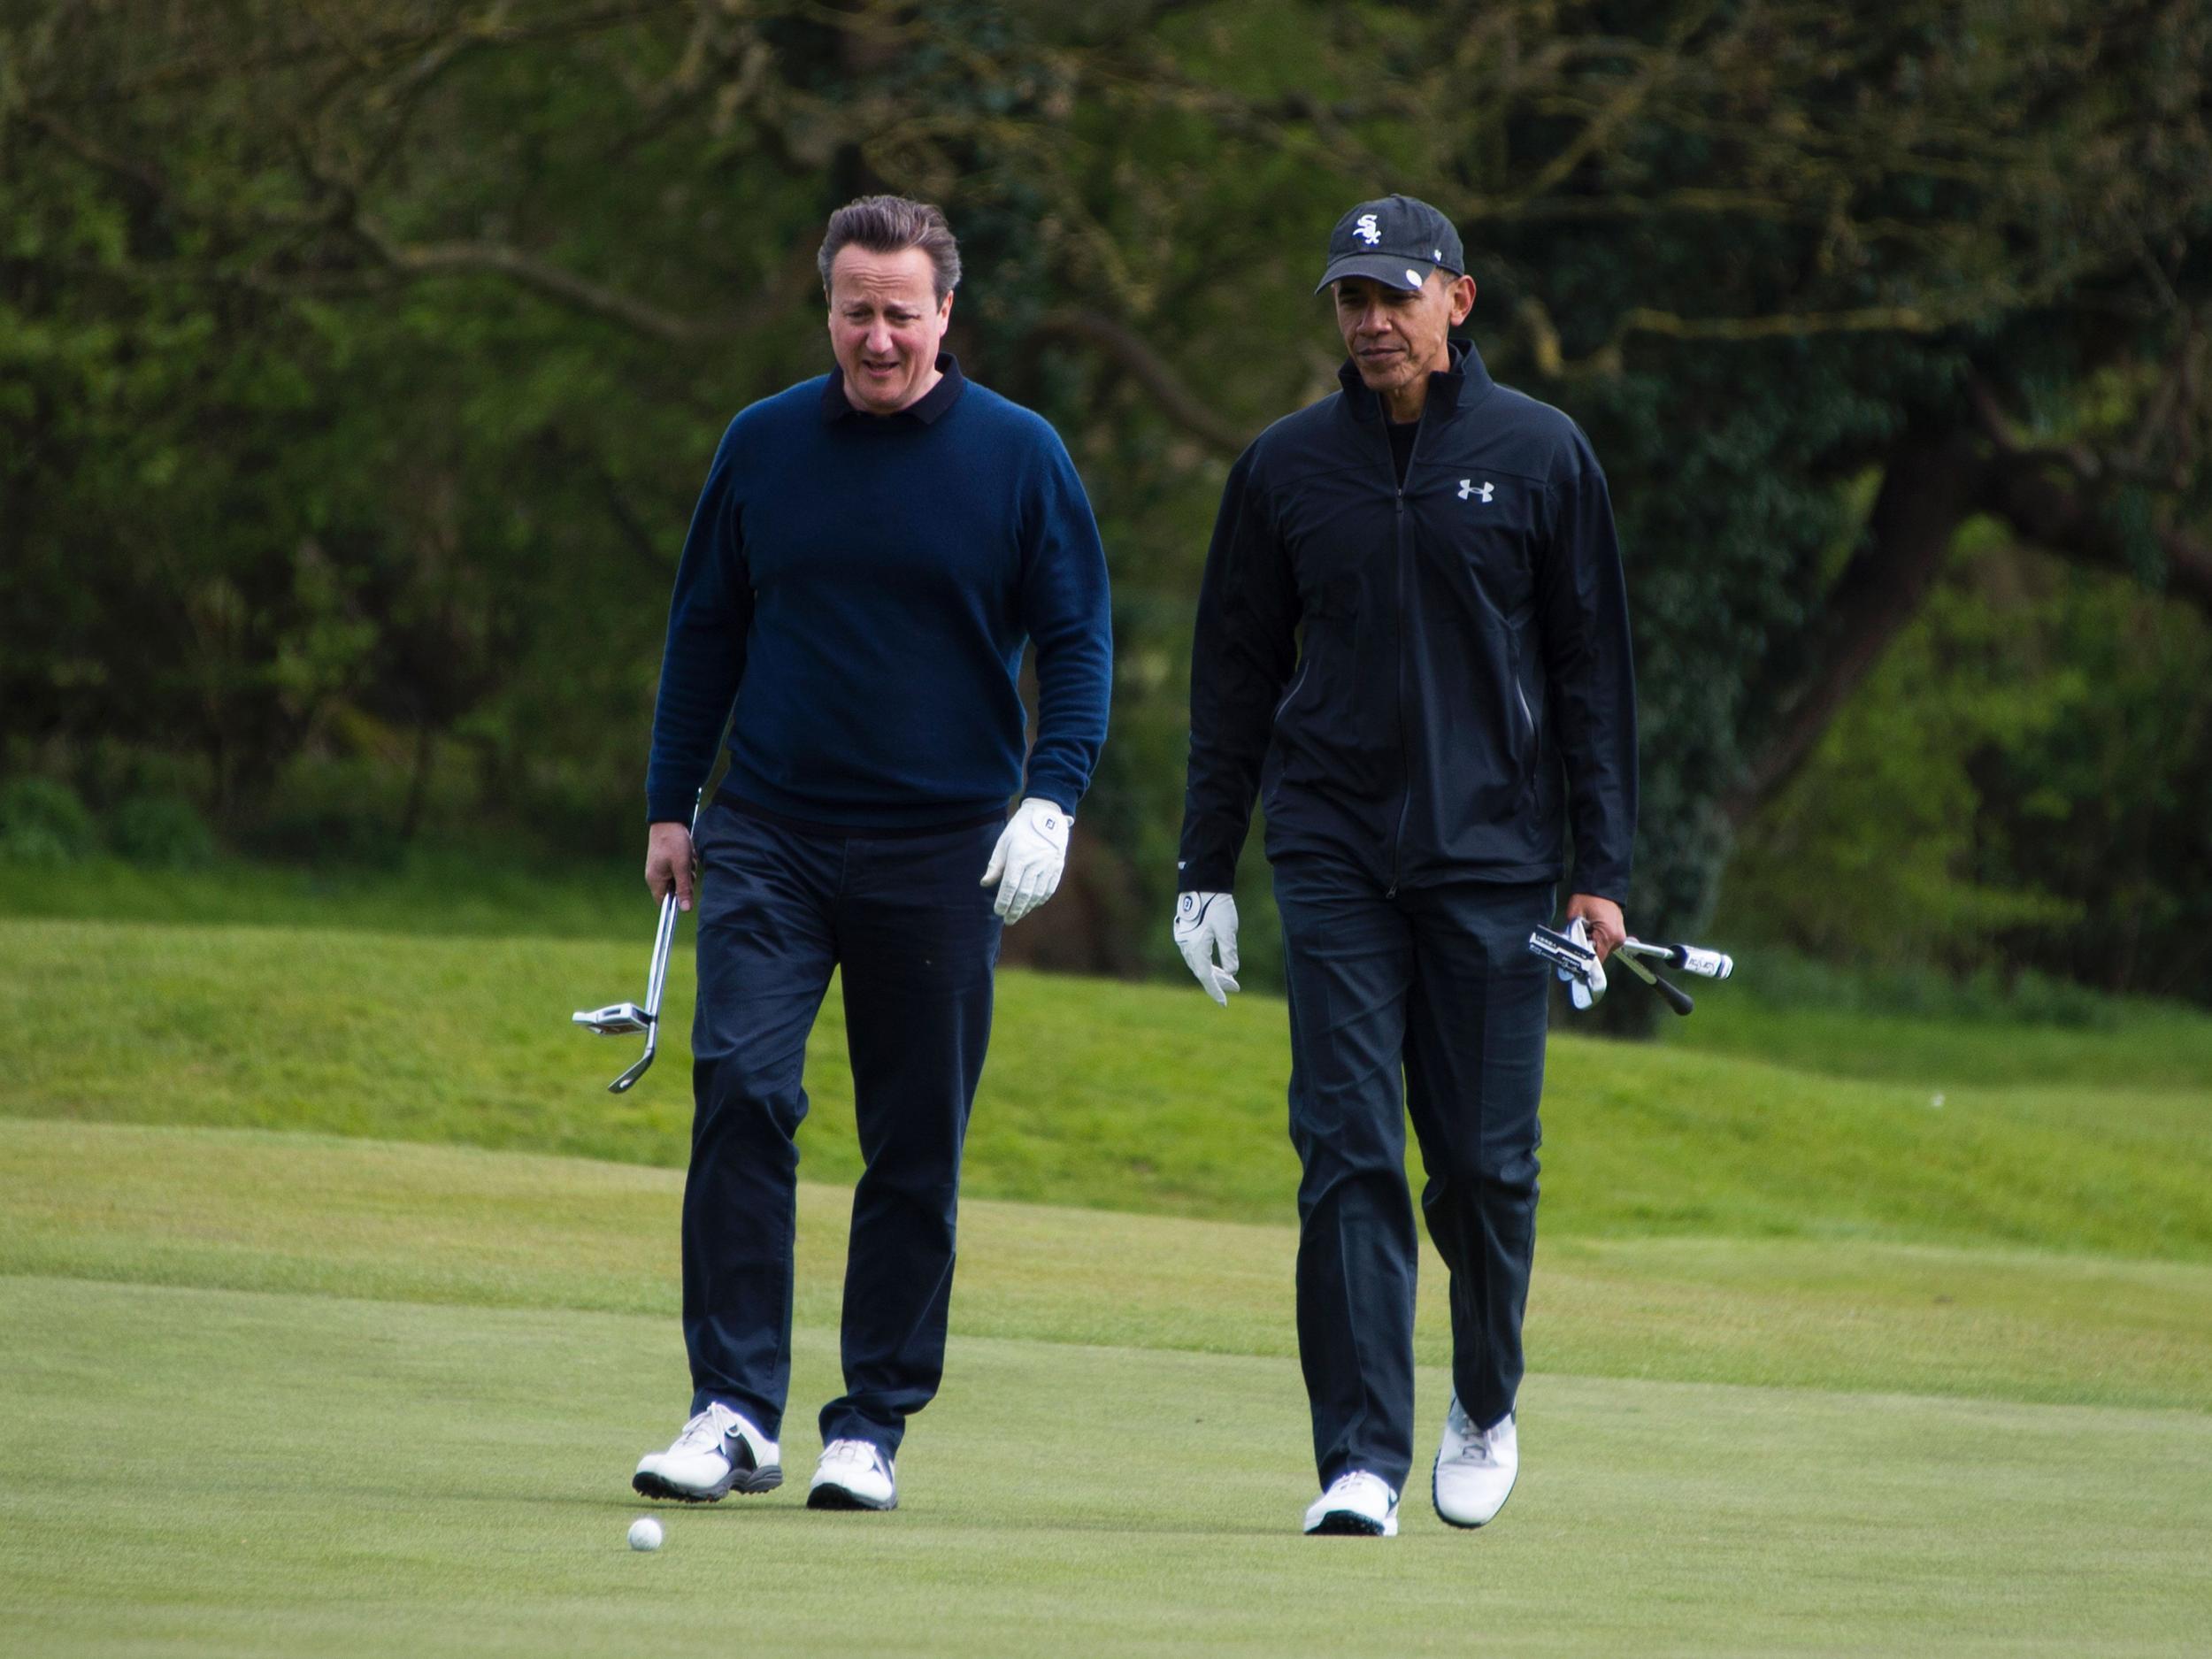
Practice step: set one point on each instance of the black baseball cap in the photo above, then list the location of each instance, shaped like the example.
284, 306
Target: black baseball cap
1398, 240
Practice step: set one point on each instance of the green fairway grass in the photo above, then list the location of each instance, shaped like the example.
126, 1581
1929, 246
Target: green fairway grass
376, 1399
1101, 1093
341, 1301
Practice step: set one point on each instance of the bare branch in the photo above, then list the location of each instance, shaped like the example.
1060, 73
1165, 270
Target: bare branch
1175, 400
556, 282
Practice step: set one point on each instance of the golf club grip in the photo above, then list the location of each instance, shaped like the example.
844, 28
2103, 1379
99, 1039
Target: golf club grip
1706, 964
1676, 997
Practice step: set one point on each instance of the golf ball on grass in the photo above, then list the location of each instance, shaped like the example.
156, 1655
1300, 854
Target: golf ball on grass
645, 1533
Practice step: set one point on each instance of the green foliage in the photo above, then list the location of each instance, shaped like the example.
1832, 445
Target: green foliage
160, 832
2021, 783
358, 362
42, 822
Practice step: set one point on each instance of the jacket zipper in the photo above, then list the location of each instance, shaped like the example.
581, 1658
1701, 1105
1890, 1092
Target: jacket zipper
1405, 761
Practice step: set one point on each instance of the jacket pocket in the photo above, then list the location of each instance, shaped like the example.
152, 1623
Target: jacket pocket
1527, 736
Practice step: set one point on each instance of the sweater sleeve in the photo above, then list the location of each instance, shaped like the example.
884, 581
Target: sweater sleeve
704, 658
1066, 609
1582, 604
1242, 652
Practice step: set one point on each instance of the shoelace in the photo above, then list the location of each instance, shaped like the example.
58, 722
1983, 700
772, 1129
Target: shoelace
1476, 1447
706, 1432
849, 1452
1344, 1485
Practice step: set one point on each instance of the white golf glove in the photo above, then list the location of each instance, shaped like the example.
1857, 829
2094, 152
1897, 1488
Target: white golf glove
1205, 927
1583, 990
1032, 852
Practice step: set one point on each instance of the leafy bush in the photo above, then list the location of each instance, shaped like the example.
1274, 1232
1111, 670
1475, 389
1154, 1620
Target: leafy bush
42, 822
161, 831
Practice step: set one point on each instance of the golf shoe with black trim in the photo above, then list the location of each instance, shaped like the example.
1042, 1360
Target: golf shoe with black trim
720, 1451
853, 1475
1356, 1505
1475, 1468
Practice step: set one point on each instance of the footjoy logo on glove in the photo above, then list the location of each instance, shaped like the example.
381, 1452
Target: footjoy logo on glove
1471, 490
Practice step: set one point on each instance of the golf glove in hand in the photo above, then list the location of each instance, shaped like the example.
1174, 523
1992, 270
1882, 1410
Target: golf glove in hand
1205, 927
1030, 856
1583, 990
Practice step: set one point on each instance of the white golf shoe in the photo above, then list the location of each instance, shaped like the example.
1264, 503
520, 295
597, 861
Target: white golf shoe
1475, 1469
853, 1475
720, 1451
1356, 1505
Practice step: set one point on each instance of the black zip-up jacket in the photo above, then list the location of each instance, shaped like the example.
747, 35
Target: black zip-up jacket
1425, 680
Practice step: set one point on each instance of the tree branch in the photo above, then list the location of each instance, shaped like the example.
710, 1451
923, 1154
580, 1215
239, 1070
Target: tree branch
2021, 490
1175, 400
484, 259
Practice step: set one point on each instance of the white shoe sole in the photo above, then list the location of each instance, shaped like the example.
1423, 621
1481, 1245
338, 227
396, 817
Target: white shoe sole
1470, 1526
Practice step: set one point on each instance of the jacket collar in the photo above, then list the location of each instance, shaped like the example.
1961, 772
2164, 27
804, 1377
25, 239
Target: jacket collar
1466, 383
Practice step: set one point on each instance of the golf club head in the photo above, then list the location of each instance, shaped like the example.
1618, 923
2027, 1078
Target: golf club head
621, 1084
1577, 963
617, 1019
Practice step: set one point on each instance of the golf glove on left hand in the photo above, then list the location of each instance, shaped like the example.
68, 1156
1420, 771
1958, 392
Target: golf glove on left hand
1031, 853
1205, 925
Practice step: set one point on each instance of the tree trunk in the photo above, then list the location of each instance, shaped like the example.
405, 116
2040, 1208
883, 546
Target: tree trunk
1928, 489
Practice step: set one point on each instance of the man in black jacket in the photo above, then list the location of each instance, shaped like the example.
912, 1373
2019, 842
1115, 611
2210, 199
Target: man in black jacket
1412, 641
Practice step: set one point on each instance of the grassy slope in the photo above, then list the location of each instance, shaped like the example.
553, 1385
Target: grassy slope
1135, 1097
431, 891
439, 1466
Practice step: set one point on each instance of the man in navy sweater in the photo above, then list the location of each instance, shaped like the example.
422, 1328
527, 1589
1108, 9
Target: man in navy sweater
871, 551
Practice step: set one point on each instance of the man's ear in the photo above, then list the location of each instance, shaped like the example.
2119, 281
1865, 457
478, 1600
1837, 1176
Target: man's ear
1463, 299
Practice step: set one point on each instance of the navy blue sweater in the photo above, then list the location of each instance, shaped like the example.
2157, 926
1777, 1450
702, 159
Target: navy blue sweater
861, 587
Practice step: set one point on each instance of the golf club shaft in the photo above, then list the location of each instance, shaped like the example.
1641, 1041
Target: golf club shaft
1673, 995
664, 941
664, 938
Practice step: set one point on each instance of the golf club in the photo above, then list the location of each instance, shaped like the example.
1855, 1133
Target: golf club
1710, 964
620, 1019
1578, 965
1672, 994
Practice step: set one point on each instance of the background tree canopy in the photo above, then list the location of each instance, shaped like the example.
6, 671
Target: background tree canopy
360, 362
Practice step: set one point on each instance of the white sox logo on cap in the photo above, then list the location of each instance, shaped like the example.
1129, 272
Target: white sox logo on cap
1368, 230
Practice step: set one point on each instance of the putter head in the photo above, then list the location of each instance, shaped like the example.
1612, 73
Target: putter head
617, 1019
1577, 963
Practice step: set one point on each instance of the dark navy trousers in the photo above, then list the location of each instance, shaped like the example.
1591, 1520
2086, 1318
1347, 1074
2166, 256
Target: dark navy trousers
906, 922
1437, 982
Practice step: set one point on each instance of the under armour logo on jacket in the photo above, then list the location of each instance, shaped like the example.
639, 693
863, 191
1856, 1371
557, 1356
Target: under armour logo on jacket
1367, 229
1468, 490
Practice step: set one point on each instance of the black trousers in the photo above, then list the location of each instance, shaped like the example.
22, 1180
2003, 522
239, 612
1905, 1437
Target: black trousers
911, 929
1437, 982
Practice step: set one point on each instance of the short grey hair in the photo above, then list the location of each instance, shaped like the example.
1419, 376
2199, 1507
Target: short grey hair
891, 224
